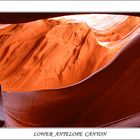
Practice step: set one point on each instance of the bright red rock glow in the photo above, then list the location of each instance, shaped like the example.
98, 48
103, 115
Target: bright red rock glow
70, 71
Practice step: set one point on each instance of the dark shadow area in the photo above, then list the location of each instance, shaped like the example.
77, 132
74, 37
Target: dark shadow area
7, 18
1, 111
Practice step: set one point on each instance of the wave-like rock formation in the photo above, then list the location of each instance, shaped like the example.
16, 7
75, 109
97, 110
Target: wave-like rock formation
70, 71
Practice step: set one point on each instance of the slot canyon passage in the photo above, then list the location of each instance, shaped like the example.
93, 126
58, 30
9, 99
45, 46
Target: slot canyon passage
71, 71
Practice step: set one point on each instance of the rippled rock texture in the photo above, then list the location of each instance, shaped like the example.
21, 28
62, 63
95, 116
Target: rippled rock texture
72, 71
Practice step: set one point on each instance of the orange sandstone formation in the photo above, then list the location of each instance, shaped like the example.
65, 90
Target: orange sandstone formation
48, 54
83, 70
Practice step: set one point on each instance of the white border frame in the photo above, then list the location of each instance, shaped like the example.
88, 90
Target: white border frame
69, 6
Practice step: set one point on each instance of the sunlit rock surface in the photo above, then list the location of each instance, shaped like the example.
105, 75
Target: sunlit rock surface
70, 71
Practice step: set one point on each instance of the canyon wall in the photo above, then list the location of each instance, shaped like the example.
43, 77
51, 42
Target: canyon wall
70, 71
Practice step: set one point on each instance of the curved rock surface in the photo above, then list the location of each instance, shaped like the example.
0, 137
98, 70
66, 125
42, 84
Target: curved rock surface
70, 71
